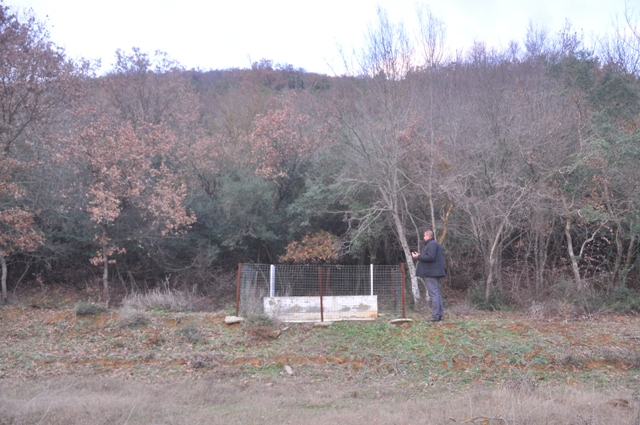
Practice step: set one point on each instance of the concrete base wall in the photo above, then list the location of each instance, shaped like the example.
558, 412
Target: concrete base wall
307, 309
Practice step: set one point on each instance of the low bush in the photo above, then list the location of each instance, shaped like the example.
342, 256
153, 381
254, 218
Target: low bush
624, 300
161, 300
83, 308
131, 318
568, 291
260, 320
496, 302
565, 295
191, 333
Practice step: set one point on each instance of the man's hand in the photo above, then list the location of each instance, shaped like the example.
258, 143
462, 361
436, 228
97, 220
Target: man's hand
414, 255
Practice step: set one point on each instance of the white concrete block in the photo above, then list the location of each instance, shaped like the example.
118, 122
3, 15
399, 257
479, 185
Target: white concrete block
307, 309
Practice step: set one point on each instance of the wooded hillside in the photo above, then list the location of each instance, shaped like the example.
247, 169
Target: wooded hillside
524, 161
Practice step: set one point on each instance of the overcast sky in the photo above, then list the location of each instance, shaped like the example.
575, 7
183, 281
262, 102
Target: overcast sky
221, 34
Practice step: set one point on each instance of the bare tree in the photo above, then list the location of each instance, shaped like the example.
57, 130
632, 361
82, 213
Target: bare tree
431, 42
430, 37
501, 126
622, 49
376, 119
387, 53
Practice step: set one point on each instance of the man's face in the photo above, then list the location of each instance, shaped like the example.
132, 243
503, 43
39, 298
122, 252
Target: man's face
425, 237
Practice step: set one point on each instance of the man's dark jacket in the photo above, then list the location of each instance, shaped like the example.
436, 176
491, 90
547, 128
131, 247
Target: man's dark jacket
431, 260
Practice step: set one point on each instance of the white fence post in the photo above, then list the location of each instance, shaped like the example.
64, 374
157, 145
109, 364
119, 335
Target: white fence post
371, 279
272, 281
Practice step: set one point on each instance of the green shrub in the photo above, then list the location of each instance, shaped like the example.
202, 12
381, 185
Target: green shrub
590, 300
477, 297
191, 333
130, 318
624, 300
568, 291
83, 308
260, 320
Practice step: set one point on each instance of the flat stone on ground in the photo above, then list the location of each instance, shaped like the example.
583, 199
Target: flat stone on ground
401, 321
230, 320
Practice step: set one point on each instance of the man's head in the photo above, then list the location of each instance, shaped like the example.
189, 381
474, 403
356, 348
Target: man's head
427, 235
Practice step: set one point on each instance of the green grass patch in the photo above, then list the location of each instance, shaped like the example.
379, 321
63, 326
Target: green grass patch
486, 348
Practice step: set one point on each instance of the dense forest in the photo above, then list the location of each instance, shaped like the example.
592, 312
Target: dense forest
523, 160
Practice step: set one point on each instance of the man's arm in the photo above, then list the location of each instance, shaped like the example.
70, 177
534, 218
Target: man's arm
428, 254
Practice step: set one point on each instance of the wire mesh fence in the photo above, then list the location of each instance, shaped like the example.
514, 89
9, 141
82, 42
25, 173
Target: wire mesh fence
257, 281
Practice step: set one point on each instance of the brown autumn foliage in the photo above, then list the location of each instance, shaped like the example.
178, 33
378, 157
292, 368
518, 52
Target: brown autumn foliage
320, 247
280, 141
127, 169
36, 83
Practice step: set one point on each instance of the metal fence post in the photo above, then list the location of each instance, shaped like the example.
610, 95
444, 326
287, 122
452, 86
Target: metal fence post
321, 306
272, 281
371, 273
238, 288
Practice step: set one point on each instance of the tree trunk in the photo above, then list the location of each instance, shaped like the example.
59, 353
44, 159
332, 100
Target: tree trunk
541, 248
572, 255
445, 221
493, 254
431, 157
433, 214
3, 261
537, 260
402, 237
628, 263
619, 254
105, 273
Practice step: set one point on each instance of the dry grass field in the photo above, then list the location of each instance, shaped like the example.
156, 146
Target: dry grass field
75, 364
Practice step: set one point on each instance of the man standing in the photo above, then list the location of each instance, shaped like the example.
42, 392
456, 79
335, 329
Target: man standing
430, 268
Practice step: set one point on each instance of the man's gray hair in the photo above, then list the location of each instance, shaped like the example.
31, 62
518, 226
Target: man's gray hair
428, 231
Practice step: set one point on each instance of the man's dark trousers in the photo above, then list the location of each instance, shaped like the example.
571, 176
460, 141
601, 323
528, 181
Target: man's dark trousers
433, 288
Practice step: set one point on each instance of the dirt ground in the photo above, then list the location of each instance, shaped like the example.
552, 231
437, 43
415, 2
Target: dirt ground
215, 400
129, 367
